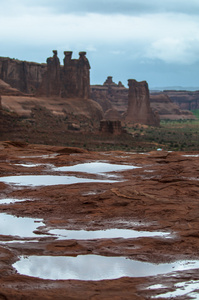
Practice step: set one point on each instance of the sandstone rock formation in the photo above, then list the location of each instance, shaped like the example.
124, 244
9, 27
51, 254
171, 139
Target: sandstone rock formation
111, 95
6, 89
50, 79
22, 75
111, 127
167, 109
69, 81
112, 115
139, 110
187, 100
115, 97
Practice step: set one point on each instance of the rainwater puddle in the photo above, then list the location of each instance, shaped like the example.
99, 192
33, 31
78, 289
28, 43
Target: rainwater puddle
183, 289
41, 156
12, 200
94, 267
46, 180
28, 165
95, 168
105, 234
18, 226
191, 155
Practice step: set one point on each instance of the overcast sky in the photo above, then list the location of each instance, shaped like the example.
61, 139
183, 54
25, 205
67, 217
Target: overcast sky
153, 40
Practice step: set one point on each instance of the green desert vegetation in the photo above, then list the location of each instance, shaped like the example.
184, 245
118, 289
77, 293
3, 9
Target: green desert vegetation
174, 135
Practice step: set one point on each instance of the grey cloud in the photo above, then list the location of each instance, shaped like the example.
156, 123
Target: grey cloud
127, 7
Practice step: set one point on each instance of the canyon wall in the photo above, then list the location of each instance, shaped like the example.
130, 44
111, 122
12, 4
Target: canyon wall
22, 75
111, 95
71, 80
187, 100
167, 109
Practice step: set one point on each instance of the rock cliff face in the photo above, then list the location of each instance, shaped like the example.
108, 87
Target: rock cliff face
111, 95
139, 109
69, 81
6, 89
72, 80
167, 109
22, 75
184, 99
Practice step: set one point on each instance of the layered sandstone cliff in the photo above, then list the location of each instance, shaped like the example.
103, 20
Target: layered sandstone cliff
187, 100
167, 109
22, 75
71, 80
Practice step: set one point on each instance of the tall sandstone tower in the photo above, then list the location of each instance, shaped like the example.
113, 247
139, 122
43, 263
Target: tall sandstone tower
72, 80
139, 110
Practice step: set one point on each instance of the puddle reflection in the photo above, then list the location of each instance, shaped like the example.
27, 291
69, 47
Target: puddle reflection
103, 234
46, 180
95, 168
183, 289
12, 200
94, 267
21, 227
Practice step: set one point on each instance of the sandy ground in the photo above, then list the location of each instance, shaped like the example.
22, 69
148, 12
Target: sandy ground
160, 195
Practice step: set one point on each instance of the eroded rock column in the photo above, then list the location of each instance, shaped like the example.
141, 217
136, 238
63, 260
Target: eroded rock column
139, 110
83, 75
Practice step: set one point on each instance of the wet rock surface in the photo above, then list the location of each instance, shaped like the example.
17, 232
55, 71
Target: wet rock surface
159, 196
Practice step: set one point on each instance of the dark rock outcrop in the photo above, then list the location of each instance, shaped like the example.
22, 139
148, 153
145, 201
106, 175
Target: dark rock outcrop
139, 109
111, 127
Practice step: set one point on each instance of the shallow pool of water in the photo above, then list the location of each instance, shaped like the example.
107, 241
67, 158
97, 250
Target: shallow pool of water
105, 234
95, 168
21, 227
187, 288
45, 180
12, 200
94, 267
28, 165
